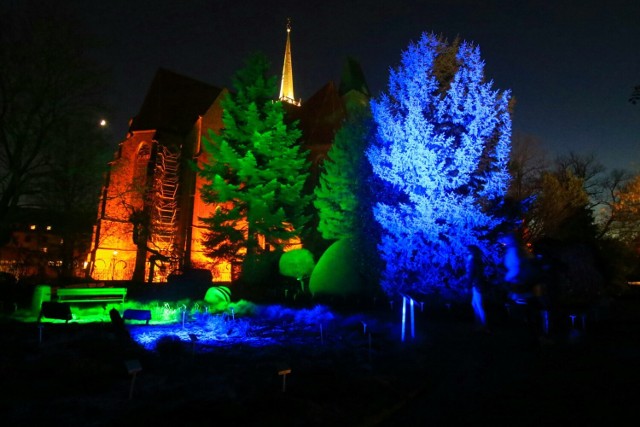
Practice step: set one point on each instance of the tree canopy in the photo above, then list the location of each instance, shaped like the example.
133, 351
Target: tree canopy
441, 148
48, 87
339, 195
256, 171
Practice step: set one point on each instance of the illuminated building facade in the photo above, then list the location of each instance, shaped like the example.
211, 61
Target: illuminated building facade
149, 216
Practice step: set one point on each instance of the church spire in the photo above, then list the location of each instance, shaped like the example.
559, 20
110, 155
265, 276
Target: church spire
286, 87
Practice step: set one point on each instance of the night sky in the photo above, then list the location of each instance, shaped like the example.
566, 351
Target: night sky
570, 64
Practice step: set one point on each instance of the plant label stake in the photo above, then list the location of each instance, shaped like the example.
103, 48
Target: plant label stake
133, 367
194, 339
283, 373
364, 327
545, 321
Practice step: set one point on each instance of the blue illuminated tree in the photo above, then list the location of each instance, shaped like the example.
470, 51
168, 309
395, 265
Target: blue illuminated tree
441, 148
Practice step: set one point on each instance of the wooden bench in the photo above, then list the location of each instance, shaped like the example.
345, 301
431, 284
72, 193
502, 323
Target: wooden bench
89, 295
131, 314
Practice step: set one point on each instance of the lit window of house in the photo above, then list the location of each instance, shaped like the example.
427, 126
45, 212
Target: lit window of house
48, 228
32, 227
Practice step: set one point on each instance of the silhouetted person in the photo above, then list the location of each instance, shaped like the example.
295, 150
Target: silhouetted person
118, 323
477, 283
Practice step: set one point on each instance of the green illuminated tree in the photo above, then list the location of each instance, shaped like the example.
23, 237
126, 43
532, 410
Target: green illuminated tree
342, 180
256, 172
297, 263
346, 194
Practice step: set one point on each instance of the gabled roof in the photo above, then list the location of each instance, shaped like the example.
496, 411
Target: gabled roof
320, 116
173, 103
353, 78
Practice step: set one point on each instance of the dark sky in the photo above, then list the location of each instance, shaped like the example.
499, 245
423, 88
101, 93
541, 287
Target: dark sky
570, 64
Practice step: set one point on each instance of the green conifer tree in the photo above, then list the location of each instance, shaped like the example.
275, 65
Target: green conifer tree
256, 173
347, 192
337, 195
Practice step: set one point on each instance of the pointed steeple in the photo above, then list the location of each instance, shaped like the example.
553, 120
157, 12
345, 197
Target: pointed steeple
286, 87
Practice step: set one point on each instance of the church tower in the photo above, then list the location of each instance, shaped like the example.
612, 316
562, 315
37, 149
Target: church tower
286, 87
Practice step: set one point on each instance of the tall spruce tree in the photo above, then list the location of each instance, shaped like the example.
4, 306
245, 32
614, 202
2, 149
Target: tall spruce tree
342, 179
256, 172
441, 148
347, 190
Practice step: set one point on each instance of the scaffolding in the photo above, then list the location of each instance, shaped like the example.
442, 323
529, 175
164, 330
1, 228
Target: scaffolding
165, 203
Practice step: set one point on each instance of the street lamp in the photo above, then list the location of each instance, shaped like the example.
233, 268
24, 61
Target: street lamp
113, 264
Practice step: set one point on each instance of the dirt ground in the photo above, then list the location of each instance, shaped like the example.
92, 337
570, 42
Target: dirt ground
449, 374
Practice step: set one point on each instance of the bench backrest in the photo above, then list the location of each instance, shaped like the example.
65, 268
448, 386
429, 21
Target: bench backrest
91, 293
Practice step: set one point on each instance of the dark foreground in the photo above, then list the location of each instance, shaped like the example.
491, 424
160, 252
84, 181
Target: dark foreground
449, 375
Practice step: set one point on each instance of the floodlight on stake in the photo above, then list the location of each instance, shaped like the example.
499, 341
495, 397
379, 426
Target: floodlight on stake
413, 323
184, 313
404, 316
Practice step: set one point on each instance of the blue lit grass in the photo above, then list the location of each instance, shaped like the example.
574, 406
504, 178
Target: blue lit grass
202, 324
241, 323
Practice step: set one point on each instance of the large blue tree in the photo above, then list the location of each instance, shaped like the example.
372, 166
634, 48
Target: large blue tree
441, 148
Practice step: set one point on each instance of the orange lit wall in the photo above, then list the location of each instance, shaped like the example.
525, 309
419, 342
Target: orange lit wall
221, 269
115, 252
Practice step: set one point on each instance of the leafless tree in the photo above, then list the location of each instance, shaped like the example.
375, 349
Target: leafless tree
47, 87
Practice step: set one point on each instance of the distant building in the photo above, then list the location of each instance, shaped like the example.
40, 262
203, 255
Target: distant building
148, 221
34, 248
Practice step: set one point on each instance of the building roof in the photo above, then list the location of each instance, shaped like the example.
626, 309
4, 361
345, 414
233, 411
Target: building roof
320, 116
173, 103
352, 78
